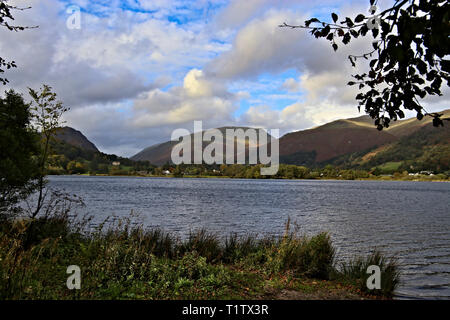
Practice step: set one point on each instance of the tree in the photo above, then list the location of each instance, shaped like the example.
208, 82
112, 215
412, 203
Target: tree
178, 172
93, 165
75, 167
47, 112
408, 61
5, 19
18, 168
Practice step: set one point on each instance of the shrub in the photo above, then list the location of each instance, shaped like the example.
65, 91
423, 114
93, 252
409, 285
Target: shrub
356, 271
311, 257
204, 243
126, 261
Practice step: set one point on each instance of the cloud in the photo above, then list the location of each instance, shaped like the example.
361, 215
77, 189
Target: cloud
111, 63
198, 99
45, 55
262, 46
195, 84
136, 70
239, 12
291, 85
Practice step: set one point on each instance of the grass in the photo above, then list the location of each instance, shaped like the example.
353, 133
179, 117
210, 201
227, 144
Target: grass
129, 262
356, 272
390, 167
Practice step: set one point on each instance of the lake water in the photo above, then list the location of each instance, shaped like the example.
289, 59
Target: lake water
408, 220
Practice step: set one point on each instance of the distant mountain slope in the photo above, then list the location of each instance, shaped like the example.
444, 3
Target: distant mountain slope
419, 146
160, 154
427, 148
332, 140
75, 138
341, 141
346, 143
406, 127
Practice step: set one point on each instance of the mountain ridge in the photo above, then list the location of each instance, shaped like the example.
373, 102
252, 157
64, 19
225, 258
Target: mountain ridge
75, 138
319, 144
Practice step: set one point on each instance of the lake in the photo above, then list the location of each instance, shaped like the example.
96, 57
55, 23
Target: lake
408, 220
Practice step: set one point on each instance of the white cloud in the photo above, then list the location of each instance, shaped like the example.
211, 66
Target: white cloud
291, 85
131, 77
239, 12
198, 99
195, 84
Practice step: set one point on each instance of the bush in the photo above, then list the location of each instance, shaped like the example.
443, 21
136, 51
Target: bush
205, 244
311, 257
356, 271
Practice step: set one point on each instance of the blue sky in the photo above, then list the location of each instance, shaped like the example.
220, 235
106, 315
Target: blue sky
138, 69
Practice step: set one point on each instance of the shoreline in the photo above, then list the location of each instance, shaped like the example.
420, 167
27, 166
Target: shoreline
126, 262
385, 178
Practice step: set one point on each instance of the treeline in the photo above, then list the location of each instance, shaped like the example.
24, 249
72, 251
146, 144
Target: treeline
287, 171
239, 171
69, 159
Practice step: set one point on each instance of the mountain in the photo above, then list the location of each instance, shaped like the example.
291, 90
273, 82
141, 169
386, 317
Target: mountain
353, 142
331, 140
160, 154
409, 126
75, 138
72, 153
419, 146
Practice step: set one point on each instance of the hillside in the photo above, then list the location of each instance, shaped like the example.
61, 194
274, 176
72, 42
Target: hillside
160, 154
72, 152
75, 138
331, 140
356, 143
426, 148
418, 146
407, 127
350, 143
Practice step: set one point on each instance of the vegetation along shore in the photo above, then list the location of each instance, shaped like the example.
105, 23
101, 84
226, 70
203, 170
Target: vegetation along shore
122, 261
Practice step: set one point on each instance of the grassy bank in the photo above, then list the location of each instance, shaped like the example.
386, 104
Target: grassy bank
125, 262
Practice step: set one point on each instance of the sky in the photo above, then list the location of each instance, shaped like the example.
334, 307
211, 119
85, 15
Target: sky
136, 70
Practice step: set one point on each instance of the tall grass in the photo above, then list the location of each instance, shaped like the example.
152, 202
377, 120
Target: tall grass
127, 261
355, 271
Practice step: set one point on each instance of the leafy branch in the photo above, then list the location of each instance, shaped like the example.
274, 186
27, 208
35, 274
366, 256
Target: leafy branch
408, 61
5, 16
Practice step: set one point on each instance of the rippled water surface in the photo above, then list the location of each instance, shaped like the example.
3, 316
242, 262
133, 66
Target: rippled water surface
408, 220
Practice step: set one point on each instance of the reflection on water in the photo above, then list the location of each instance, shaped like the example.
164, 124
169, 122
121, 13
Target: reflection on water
409, 220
